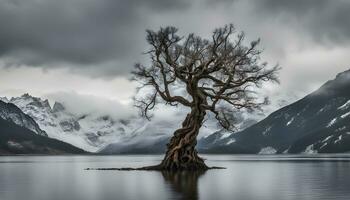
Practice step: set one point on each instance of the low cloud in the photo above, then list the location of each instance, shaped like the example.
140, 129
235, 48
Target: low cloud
93, 105
104, 38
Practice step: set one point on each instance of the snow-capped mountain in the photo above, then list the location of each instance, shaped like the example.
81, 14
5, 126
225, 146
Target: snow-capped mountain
16, 139
4, 99
318, 123
10, 112
89, 131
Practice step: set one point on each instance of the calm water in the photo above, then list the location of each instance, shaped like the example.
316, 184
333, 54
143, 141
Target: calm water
246, 177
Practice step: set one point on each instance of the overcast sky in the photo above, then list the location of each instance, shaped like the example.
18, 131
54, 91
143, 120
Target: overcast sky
88, 47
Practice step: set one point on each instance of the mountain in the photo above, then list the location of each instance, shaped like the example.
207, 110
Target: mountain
20, 134
89, 131
318, 123
4, 99
15, 139
10, 112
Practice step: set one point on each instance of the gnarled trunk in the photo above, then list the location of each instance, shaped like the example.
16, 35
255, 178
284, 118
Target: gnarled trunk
181, 153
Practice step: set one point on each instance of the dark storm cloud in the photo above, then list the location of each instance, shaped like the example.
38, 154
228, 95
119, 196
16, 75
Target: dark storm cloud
78, 33
325, 20
105, 37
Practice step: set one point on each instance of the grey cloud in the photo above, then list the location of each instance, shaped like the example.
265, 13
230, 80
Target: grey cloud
84, 33
326, 21
104, 38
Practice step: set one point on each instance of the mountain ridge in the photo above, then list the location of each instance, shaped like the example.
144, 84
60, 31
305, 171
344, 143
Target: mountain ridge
304, 126
17, 139
11, 112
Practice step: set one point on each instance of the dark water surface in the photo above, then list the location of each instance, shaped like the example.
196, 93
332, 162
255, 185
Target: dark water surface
246, 178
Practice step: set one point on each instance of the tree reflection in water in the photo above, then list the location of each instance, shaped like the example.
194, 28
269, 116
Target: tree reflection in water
184, 183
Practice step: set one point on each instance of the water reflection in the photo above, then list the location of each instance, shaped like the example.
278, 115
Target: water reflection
322, 177
184, 183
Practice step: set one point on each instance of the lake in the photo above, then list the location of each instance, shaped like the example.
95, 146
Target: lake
246, 177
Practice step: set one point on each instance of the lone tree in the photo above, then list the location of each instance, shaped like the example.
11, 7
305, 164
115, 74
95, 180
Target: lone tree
217, 76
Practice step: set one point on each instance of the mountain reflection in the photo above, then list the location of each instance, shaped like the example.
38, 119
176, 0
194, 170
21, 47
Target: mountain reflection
184, 183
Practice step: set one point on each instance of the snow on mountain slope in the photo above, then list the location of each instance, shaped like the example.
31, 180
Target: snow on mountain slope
4, 99
10, 112
317, 123
89, 131
16, 139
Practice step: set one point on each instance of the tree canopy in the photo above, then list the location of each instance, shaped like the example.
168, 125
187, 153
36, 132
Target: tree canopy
222, 71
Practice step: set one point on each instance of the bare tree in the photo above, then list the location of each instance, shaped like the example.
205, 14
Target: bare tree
216, 75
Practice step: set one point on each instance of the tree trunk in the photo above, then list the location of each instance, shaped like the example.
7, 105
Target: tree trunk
181, 153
